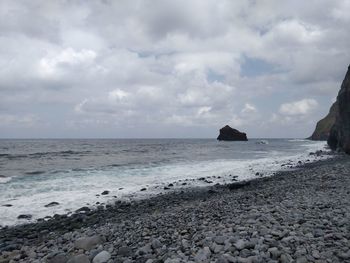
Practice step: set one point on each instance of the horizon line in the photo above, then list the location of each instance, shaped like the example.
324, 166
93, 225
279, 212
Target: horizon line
134, 138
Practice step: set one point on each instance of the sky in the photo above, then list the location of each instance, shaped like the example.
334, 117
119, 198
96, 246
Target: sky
169, 69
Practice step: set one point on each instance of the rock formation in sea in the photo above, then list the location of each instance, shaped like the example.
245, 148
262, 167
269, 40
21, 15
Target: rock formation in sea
324, 126
229, 134
339, 138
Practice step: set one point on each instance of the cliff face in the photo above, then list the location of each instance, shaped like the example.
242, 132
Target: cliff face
229, 134
323, 127
339, 137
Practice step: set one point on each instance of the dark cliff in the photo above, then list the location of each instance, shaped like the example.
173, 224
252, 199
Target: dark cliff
229, 134
323, 127
339, 138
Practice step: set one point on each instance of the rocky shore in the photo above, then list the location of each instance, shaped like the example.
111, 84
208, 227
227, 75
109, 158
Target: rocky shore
295, 216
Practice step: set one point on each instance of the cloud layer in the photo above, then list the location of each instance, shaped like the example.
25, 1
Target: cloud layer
169, 68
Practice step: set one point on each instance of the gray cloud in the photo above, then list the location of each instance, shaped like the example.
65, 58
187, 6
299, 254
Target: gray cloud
103, 68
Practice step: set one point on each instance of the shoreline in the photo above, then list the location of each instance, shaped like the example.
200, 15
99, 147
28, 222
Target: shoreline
177, 204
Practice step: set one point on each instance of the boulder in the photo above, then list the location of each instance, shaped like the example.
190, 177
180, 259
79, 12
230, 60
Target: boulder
323, 127
339, 138
229, 134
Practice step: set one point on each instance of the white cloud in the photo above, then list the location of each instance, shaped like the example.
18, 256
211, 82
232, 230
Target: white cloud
117, 94
49, 65
301, 107
248, 108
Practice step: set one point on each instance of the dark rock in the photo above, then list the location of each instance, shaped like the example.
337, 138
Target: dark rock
10, 247
339, 138
143, 189
229, 134
124, 251
83, 209
324, 126
106, 192
7, 205
238, 185
24, 217
52, 204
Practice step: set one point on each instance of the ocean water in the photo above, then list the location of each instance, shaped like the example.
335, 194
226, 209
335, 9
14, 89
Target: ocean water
74, 172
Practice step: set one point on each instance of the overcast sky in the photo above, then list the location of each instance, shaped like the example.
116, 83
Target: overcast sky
159, 68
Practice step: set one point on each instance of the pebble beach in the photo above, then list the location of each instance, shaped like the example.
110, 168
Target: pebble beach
294, 216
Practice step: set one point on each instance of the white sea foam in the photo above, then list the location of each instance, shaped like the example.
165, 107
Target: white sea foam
4, 180
30, 194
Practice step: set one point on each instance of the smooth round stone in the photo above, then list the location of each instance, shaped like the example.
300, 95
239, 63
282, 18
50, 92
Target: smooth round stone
102, 257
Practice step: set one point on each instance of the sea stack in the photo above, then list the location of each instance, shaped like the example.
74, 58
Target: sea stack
339, 138
229, 134
324, 126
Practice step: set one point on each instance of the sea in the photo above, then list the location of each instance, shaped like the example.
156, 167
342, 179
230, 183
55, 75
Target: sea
74, 172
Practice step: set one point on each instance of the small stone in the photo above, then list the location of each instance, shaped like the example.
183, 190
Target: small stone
316, 254
156, 244
185, 243
202, 255
302, 260
59, 258
79, 259
240, 244
275, 253
286, 258
217, 248
124, 251
147, 249
102, 257
143, 189
220, 240
87, 243
344, 256
106, 192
